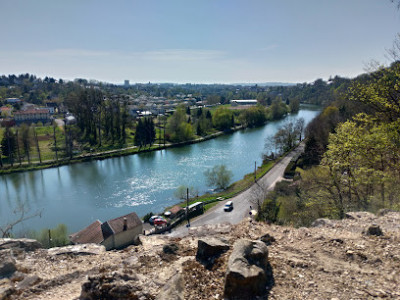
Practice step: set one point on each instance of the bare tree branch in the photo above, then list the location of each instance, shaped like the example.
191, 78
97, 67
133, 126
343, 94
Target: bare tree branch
20, 211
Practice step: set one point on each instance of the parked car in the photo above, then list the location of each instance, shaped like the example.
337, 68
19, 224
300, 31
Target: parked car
152, 218
160, 221
228, 206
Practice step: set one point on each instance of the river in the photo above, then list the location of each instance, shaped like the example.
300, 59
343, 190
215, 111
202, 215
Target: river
79, 194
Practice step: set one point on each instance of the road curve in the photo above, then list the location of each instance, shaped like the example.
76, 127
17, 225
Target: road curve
244, 200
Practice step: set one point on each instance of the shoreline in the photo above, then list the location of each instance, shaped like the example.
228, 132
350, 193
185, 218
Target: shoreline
110, 154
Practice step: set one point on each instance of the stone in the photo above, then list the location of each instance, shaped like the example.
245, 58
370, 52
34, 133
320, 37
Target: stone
25, 244
373, 230
173, 289
170, 248
28, 282
248, 272
322, 222
208, 249
84, 249
110, 286
7, 267
267, 239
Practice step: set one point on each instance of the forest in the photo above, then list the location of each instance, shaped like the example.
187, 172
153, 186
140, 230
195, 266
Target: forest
352, 156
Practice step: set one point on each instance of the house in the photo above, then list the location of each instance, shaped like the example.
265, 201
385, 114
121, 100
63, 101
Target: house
121, 231
113, 234
90, 234
13, 100
176, 211
32, 116
52, 107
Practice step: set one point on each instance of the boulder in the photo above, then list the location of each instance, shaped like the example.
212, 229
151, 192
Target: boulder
248, 272
84, 249
28, 282
111, 286
173, 289
170, 248
7, 267
267, 239
373, 230
208, 249
24, 244
322, 222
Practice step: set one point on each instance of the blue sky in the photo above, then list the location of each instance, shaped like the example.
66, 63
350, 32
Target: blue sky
203, 41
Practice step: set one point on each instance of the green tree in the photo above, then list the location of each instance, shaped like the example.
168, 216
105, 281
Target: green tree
253, 116
222, 118
9, 144
177, 127
218, 176
26, 140
294, 105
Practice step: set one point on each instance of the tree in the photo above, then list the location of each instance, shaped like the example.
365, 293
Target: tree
26, 140
21, 216
287, 136
177, 127
218, 176
222, 118
9, 144
181, 192
294, 105
253, 116
277, 109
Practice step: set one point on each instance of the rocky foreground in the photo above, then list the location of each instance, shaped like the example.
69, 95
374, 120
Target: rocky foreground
355, 258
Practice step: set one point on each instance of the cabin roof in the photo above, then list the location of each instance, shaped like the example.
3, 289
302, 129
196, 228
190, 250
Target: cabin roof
90, 234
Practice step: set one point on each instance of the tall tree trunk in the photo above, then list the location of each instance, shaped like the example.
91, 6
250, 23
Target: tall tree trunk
19, 153
55, 142
37, 144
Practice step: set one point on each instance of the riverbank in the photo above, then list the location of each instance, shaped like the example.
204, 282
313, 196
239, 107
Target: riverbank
108, 154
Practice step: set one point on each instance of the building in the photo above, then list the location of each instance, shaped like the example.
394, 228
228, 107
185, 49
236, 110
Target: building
126, 83
113, 234
13, 100
244, 102
32, 116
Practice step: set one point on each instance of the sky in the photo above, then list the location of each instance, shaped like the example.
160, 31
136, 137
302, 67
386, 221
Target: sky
197, 41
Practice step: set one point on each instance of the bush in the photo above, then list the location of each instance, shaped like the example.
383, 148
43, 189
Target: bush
147, 217
56, 237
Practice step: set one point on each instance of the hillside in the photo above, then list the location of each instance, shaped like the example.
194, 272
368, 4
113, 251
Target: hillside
334, 260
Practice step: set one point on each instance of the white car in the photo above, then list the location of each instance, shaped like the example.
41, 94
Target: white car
228, 206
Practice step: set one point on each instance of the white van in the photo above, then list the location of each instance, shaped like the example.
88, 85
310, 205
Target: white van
228, 206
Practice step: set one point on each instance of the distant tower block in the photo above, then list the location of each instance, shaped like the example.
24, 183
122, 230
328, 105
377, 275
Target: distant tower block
126, 83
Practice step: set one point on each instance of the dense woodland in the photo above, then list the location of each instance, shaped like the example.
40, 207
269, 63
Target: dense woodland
352, 156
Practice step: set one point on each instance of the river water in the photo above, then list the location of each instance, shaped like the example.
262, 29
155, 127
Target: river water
79, 194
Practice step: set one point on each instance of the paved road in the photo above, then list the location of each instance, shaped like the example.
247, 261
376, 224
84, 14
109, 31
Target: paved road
244, 200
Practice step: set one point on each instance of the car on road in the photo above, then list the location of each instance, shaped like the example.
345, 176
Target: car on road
228, 206
152, 218
160, 221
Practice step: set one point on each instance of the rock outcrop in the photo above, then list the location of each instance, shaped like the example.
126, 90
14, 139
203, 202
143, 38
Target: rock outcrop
208, 249
23, 244
247, 273
333, 260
